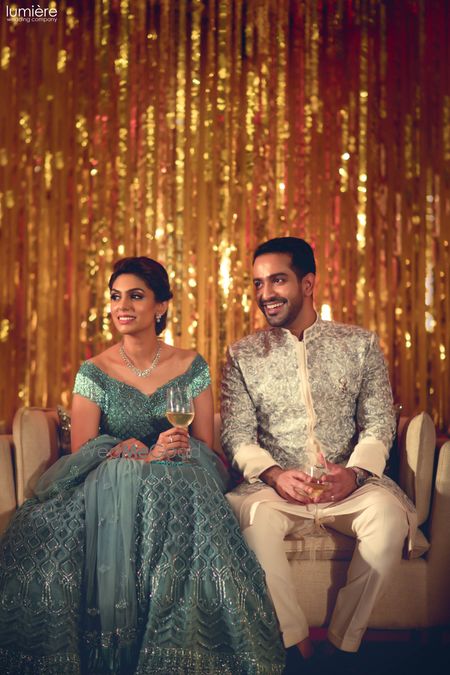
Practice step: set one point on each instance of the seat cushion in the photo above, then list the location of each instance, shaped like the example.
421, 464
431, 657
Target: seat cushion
336, 546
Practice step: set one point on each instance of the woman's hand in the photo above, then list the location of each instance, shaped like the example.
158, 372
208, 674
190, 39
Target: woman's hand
129, 449
171, 443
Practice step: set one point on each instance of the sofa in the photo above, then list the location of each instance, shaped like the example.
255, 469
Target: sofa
418, 595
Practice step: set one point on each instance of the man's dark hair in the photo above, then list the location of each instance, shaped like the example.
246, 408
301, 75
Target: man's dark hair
152, 273
302, 255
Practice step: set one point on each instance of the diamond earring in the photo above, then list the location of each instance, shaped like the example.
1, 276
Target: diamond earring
158, 318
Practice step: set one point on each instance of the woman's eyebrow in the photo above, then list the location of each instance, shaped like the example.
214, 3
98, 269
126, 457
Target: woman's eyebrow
130, 290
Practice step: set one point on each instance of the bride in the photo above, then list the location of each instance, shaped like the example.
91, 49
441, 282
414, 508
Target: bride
129, 559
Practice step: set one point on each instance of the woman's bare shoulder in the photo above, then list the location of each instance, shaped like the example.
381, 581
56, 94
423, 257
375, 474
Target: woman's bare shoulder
182, 356
106, 358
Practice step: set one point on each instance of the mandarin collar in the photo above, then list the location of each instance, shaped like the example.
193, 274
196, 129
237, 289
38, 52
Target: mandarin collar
308, 333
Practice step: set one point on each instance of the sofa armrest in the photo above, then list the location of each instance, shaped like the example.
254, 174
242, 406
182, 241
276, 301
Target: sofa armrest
416, 445
7, 488
35, 446
438, 557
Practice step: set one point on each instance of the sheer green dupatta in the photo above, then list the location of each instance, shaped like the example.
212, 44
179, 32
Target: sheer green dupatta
111, 632
109, 608
71, 470
111, 636
114, 620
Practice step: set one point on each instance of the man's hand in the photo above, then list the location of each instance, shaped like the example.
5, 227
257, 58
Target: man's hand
341, 482
291, 484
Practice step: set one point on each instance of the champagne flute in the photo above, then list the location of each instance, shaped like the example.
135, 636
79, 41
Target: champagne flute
180, 409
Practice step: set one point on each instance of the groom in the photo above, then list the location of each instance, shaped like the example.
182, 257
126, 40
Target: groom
306, 387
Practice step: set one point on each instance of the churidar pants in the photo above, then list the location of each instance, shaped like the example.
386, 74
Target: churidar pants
379, 523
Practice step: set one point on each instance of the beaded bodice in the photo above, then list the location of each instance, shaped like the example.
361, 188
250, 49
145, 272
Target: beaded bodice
128, 413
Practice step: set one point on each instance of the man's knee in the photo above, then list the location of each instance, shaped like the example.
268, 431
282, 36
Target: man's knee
268, 524
265, 536
386, 521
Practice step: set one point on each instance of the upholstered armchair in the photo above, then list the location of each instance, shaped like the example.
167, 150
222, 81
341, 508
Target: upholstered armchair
418, 595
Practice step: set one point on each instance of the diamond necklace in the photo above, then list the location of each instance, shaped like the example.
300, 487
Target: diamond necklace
129, 363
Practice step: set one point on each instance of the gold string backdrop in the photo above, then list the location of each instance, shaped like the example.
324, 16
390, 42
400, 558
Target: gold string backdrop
190, 131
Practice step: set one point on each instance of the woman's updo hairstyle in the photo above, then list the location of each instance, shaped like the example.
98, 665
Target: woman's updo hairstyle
154, 276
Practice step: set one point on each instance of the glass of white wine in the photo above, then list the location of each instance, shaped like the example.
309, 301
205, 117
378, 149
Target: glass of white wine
316, 470
180, 409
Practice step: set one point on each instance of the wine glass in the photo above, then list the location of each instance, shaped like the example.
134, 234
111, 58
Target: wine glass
180, 409
316, 469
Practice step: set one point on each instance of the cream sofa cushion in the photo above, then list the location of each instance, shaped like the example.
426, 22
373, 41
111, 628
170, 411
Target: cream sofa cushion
333, 545
36, 443
417, 442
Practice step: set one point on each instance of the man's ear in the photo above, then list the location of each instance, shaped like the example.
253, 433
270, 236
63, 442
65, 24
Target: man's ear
308, 282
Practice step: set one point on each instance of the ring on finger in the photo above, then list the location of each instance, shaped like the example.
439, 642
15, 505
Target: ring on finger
170, 439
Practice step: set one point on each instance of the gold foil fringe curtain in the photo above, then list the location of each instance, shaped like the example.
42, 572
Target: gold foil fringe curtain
192, 130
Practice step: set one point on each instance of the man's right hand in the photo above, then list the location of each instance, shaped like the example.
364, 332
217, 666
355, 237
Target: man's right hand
291, 484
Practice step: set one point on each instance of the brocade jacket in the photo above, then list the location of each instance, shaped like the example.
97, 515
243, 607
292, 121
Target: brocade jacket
283, 399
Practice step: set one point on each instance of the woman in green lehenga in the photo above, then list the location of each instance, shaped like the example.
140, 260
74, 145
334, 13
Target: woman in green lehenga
129, 560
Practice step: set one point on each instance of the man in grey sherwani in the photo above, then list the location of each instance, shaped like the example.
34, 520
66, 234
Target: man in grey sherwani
303, 392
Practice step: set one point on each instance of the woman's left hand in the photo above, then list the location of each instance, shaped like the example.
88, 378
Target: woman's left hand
129, 449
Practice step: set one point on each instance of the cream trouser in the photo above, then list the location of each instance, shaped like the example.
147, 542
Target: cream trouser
379, 523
